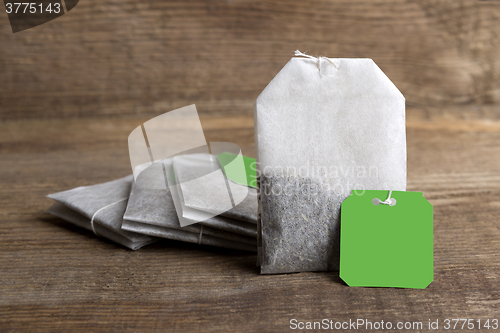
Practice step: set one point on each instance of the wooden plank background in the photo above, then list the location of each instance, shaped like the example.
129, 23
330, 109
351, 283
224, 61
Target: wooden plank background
138, 57
55, 277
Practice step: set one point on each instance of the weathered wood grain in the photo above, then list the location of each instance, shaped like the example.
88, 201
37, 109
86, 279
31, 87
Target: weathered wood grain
138, 57
56, 277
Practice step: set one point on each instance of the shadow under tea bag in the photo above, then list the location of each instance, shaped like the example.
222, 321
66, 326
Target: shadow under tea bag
323, 127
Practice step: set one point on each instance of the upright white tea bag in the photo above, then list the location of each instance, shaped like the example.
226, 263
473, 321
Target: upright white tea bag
323, 127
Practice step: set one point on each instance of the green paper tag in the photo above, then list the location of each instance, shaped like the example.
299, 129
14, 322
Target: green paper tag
386, 246
234, 172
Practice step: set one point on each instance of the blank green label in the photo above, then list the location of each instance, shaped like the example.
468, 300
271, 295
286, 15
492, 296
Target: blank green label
386, 246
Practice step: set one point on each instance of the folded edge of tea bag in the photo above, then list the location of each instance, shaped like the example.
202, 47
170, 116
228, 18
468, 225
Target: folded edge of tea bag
231, 225
218, 221
185, 236
246, 210
196, 229
111, 217
60, 210
156, 207
102, 204
87, 200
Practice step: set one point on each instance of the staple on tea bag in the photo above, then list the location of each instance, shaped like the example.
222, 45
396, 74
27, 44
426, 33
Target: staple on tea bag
322, 128
99, 208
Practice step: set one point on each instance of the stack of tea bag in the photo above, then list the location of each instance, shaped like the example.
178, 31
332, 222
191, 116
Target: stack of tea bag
158, 206
99, 208
160, 203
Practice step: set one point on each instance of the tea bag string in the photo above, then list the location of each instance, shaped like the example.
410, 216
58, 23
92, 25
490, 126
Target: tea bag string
102, 208
301, 54
388, 200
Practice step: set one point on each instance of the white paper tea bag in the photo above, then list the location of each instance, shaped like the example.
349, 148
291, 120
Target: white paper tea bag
323, 127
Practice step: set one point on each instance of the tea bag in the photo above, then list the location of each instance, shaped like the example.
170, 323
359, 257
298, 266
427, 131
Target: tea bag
202, 206
179, 133
323, 127
155, 207
151, 211
67, 214
99, 208
201, 191
153, 147
202, 184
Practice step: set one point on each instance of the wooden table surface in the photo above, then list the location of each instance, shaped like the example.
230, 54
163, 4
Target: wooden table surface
57, 277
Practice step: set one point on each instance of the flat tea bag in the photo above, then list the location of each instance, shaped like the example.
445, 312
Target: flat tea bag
99, 208
211, 194
202, 184
323, 127
151, 211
